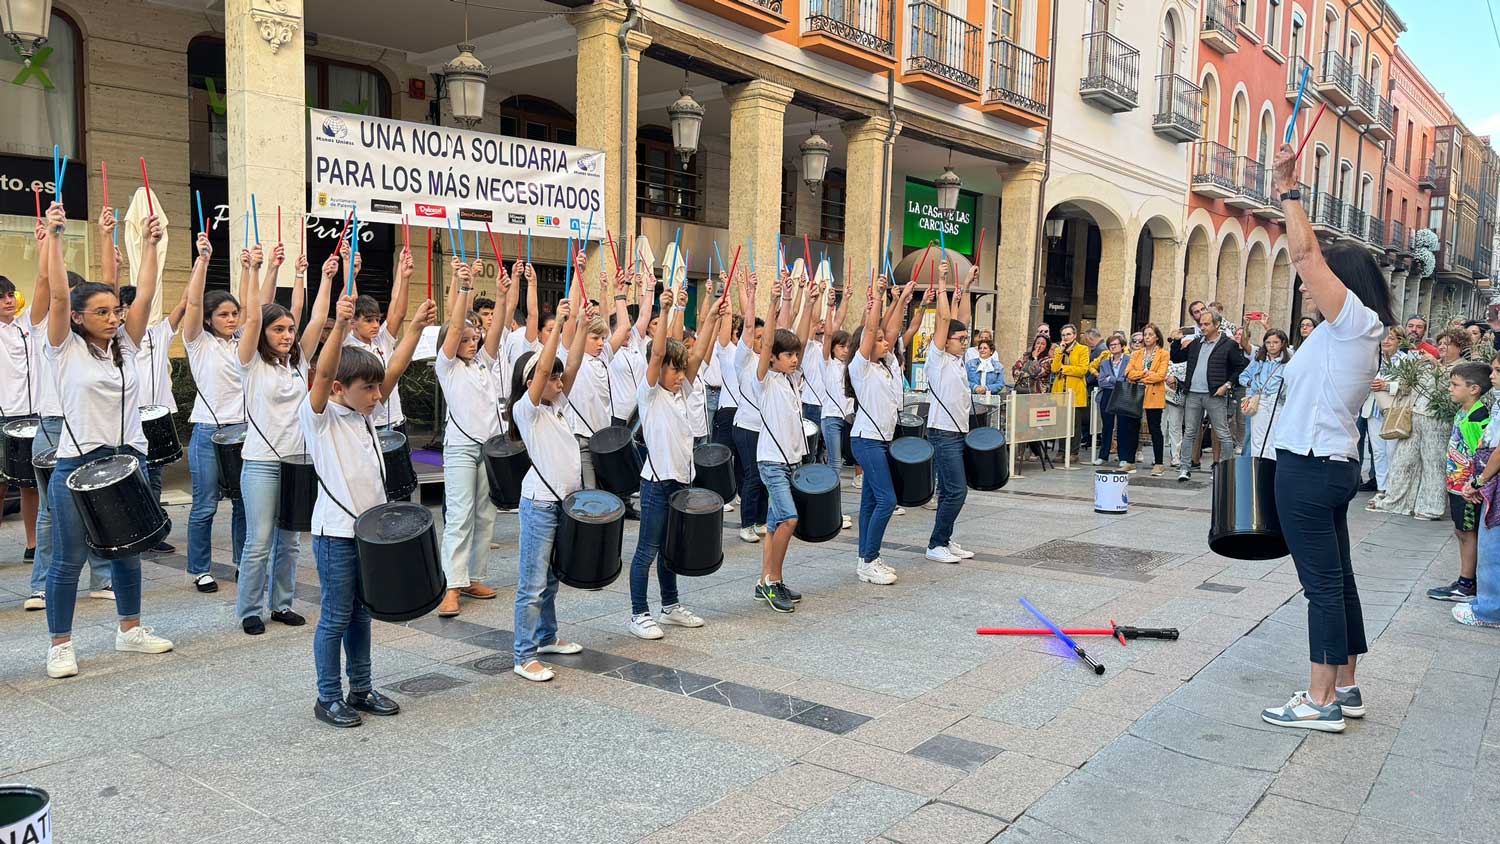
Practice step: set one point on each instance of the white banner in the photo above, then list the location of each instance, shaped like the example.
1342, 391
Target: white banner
390, 170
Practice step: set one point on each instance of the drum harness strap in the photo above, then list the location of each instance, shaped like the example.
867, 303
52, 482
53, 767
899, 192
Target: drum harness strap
764, 426
26, 345
860, 403
607, 385
932, 390
245, 395
460, 428
69, 428
375, 444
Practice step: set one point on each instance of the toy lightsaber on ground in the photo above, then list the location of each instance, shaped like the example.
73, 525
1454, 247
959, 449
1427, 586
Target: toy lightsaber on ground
1118, 631
1057, 631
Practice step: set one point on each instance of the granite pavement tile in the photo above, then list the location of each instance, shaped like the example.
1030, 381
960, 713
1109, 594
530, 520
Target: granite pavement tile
1215, 740
801, 785
955, 752
1442, 736
1418, 793
906, 726
940, 823
877, 764
1029, 830
739, 818
1276, 820
1074, 807
1006, 785
851, 816
1148, 769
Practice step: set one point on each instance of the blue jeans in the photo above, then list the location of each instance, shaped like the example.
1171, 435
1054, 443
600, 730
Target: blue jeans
952, 484
342, 619
1486, 603
266, 545
877, 501
1312, 502
777, 478
47, 437
752, 491
655, 496
468, 515
205, 469
70, 548
536, 585
833, 440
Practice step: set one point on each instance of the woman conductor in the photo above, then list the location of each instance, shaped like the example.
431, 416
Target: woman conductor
1317, 455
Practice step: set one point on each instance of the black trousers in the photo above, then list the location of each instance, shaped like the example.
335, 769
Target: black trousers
1312, 504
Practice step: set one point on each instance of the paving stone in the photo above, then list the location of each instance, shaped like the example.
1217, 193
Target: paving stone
1006, 785
906, 726
1037, 702
1446, 737
1452, 691
1090, 808
1150, 769
662, 677
955, 752
784, 738
1276, 820
1029, 830
737, 819
1418, 793
853, 815
877, 764
938, 823
759, 701
801, 786
1215, 740
1367, 830
829, 719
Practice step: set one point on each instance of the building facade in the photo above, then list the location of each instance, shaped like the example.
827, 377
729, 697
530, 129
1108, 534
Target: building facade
1411, 175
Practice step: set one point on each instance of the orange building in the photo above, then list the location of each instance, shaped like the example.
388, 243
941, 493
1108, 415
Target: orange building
1411, 175
1253, 58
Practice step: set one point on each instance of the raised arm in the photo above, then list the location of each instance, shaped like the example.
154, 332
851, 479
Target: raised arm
774, 305
174, 319
401, 357
658, 344
789, 287
328, 362
41, 292
60, 325
145, 281
193, 314
312, 332
621, 334
299, 287
810, 305
249, 278
963, 307
456, 311
109, 266
533, 311
872, 319
1325, 289
548, 355
703, 349
250, 324
575, 348
396, 313
501, 320
940, 325
913, 324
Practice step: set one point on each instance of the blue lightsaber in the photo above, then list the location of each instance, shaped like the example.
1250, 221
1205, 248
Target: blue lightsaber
463, 254
1067, 640
676, 250
116, 232
750, 244
886, 267
720, 256
528, 254
199, 196
1291, 125
255, 219
452, 247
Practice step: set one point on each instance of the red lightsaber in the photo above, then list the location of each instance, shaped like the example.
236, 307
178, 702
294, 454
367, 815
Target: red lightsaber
1313, 125
104, 173
150, 206
921, 262
1118, 631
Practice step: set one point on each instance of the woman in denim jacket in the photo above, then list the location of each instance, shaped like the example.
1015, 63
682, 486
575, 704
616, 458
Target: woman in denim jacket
1262, 378
986, 373
1110, 370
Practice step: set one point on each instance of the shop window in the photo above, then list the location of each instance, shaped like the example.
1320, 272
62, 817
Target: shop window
663, 186
536, 119
328, 84
834, 193
41, 102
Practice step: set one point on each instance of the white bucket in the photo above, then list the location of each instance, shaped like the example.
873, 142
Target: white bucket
25, 815
1111, 491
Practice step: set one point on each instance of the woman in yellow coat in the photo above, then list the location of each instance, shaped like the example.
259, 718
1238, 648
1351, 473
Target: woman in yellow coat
1070, 366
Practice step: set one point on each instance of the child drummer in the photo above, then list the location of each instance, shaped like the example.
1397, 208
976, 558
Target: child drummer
346, 388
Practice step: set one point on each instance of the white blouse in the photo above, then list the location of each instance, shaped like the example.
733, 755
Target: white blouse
877, 390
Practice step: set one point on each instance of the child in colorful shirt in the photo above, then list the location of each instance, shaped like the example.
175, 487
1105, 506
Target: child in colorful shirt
1467, 386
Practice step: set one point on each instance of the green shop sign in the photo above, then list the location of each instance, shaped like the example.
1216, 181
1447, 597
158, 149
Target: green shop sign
924, 219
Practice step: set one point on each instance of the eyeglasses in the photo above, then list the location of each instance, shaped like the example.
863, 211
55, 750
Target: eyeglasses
102, 313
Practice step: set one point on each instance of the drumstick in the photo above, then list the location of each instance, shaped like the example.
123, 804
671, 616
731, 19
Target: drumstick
104, 175
920, 263
406, 232
345, 230
429, 262
1310, 127
146, 180
733, 263
494, 244
37, 192
612, 252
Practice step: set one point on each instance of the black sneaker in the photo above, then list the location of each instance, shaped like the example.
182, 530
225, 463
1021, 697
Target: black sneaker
29, 555
289, 618
164, 548
337, 713
253, 625
793, 595
1368, 486
206, 583
774, 596
1454, 591
373, 702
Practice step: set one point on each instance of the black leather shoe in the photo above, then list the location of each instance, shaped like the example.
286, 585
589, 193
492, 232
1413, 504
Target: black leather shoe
632, 514
164, 548
337, 714
253, 625
289, 618
374, 703
30, 554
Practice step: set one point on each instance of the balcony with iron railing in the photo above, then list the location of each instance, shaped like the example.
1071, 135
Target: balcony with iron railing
759, 15
1383, 126
1179, 109
1218, 29
857, 32
943, 52
1251, 185
1375, 233
1361, 98
1294, 70
1396, 240
1354, 223
1326, 213
1434, 177
1017, 83
1332, 79
1213, 171
1111, 74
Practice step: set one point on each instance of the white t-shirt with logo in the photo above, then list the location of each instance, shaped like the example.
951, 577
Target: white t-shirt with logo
100, 401
384, 346
273, 391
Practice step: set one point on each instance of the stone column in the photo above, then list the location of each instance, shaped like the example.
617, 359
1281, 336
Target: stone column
1166, 283
1016, 282
757, 120
1116, 281
267, 116
1413, 294
600, 117
1425, 306
1398, 294
1200, 272
864, 230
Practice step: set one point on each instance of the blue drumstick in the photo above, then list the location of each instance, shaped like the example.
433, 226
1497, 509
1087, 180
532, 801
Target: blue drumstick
1297, 106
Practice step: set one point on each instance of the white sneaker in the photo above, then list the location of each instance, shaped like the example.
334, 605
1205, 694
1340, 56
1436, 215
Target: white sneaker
540, 674
875, 572
680, 616
105, 594
38, 600
1123, 464
1098, 461
859, 481
748, 534
141, 640
760, 530
848, 525
899, 511
643, 626
61, 661
941, 554
960, 552
729, 508
931, 505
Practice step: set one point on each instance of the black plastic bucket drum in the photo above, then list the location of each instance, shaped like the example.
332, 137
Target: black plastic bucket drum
694, 544
229, 442
299, 492
816, 495
44, 464
121, 516
400, 570
617, 463
909, 424
16, 440
713, 469
912, 471
590, 531
505, 466
985, 465
1244, 524
400, 476
162, 445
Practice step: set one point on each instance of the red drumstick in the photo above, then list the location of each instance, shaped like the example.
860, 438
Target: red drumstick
495, 245
104, 174
347, 218
807, 253
980, 251
1313, 125
921, 262
733, 262
38, 193
429, 262
612, 252
406, 232
150, 206
278, 231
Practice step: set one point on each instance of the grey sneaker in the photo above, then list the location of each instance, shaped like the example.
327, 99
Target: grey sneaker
1454, 591
1351, 703
1303, 713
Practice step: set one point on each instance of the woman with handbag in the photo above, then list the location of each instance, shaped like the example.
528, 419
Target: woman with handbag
1262, 381
1377, 407
1417, 483
1146, 378
1110, 368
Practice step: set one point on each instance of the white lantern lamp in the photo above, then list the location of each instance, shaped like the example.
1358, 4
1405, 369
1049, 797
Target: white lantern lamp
25, 24
815, 152
686, 116
948, 185
465, 78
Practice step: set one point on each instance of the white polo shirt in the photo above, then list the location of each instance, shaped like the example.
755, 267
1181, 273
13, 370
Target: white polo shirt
948, 383
469, 390
553, 450
729, 396
154, 366
781, 440
697, 401
100, 401
589, 407
877, 389
346, 455
215, 363
272, 393
384, 346
1326, 382
666, 423
812, 373
747, 414
627, 371
512, 347
836, 400
18, 380
43, 372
